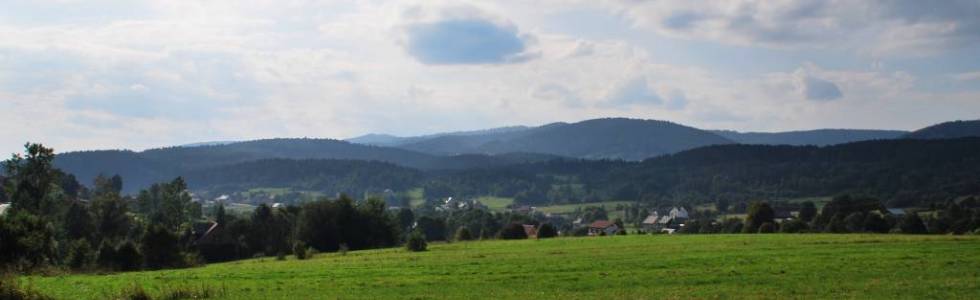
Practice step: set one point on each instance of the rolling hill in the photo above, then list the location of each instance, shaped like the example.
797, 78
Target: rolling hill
819, 137
614, 138
141, 169
947, 130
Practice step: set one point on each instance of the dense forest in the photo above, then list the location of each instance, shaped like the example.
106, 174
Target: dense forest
903, 172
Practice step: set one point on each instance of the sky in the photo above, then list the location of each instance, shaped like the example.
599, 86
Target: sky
128, 74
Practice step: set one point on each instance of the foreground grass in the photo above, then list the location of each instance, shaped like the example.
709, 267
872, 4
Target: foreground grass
622, 267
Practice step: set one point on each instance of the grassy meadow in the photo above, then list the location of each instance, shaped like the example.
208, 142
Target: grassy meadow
774, 266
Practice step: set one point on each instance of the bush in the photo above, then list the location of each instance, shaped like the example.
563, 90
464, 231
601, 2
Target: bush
107, 256
912, 224
10, 289
463, 234
759, 213
416, 242
299, 249
547, 231
128, 256
134, 292
80, 254
793, 226
161, 248
581, 231
514, 231
767, 227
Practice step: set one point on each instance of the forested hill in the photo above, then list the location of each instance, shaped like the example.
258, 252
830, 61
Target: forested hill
902, 172
352, 177
819, 137
614, 138
141, 169
948, 130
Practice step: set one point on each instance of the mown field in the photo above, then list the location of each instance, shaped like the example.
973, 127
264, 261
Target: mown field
622, 267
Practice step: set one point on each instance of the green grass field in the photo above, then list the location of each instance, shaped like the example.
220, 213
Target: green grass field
622, 267
569, 208
496, 204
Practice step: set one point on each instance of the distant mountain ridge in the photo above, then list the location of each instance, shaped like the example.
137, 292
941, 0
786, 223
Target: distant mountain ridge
609, 138
141, 169
818, 137
947, 130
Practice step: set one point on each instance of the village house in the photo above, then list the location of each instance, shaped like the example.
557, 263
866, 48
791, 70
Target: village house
603, 227
531, 231
673, 220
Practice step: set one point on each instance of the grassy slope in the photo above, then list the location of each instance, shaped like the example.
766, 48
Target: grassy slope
624, 267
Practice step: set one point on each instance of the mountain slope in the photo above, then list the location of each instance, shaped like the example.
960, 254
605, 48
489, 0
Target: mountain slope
141, 169
619, 138
613, 138
819, 137
947, 130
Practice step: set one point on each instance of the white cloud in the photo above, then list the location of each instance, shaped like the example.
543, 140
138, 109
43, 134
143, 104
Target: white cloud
874, 27
160, 73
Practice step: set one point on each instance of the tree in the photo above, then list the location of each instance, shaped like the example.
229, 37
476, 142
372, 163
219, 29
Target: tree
161, 248
873, 222
732, 225
547, 231
433, 228
836, 224
463, 234
111, 214
912, 224
767, 227
27, 238
80, 254
513, 231
808, 211
31, 179
854, 222
168, 204
406, 218
721, 205
793, 226
78, 223
416, 242
759, 213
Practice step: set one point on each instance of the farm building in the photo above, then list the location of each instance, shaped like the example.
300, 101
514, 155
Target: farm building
603, 227
531, 231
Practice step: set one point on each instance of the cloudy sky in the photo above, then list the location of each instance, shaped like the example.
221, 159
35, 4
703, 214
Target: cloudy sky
103, 74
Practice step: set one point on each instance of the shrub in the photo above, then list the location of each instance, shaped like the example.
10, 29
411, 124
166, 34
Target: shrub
912, 224
11, 289
161, 248
767, 227
793, 226
299, 249
463, 234
134, 292
107, 256
128, 256
281, 255
547, 231
80, 254
416, 242
759, 213
514, 231
581, 231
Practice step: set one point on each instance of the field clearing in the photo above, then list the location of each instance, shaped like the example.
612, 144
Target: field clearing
569, 208
772, 266
496, 203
